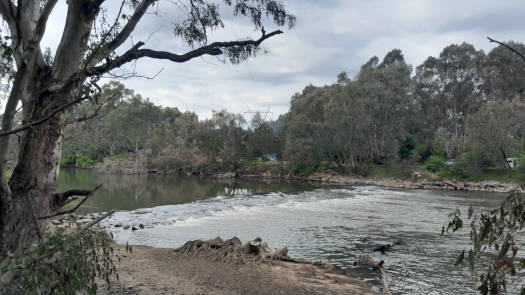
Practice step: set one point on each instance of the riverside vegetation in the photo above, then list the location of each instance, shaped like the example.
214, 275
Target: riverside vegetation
377, 124
463, 107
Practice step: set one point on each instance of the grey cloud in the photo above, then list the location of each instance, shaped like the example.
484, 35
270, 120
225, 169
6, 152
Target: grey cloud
330, 36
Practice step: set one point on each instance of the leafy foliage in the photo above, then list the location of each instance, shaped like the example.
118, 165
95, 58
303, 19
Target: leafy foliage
495, 232
407, 146
63, 264
435, 163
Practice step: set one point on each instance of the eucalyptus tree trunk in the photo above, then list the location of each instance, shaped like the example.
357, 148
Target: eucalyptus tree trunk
30, 193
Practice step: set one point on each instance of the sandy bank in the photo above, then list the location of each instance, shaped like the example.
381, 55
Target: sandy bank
162, 271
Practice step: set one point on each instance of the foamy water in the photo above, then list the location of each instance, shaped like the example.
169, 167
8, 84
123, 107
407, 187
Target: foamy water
331, 224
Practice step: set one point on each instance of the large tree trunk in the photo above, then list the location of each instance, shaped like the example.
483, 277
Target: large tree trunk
33, 184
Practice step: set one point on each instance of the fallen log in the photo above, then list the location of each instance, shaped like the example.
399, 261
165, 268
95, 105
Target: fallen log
451, 184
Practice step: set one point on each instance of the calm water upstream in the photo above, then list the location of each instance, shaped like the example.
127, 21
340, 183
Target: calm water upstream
334, 224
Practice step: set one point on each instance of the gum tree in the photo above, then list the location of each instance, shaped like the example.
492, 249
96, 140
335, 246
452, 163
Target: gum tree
91, 45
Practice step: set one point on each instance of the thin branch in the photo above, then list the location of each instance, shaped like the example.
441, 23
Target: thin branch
73, 235
212, 49
127, 30
92, 223
506, 46
94, 114
35, 220
45, 118
66, 195
92, 57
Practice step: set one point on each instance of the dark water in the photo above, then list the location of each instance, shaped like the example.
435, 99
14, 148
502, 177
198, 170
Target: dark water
334, 224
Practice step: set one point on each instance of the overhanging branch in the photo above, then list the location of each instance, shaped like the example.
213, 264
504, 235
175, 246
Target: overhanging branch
126, 31
212, 49
507, 46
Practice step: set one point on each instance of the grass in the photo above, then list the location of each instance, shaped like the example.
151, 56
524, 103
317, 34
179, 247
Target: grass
405, 171
401, 171
491, 174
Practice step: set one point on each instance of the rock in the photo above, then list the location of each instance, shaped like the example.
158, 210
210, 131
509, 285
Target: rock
118, 225
134, 228
141, 226
227, 175
367, 261
126, 227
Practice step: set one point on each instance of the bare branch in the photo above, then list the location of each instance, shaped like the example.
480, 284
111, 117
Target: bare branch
92, 223
34, 218
212, 49
506, 46
92, 58
61, 198
94, 114
126, 31
45, 118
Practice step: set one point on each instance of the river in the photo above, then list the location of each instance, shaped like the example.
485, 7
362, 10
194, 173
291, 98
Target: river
330, 223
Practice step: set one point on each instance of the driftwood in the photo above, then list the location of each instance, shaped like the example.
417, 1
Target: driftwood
451, 184
233, 251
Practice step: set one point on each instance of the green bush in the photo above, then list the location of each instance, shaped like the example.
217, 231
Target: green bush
438, 148
121, 156
454, 171
68, 160
84, 162
473, 163
63, 264
406, 147
435, 163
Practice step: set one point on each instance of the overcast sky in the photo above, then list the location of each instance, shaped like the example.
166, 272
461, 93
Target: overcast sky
330, 36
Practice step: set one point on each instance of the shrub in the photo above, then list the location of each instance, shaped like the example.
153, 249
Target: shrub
438, 148
84, 162
121, 156
472, 163
63, 264
435, 163
406, 147
68, 160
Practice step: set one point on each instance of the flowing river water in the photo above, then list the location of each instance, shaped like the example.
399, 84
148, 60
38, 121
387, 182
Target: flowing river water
335, 224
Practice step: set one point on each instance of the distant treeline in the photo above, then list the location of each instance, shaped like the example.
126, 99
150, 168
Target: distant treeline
464, 105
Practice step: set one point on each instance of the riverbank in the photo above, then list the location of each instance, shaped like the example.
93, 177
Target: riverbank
164, 271
408, 177
331, 177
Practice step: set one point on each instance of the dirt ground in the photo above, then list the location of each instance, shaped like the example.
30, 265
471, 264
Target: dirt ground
161, 271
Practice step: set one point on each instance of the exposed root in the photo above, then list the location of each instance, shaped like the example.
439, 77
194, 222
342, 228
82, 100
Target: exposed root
233, 251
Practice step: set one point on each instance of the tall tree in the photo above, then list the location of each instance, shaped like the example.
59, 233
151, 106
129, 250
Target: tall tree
448, 89
86, 51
